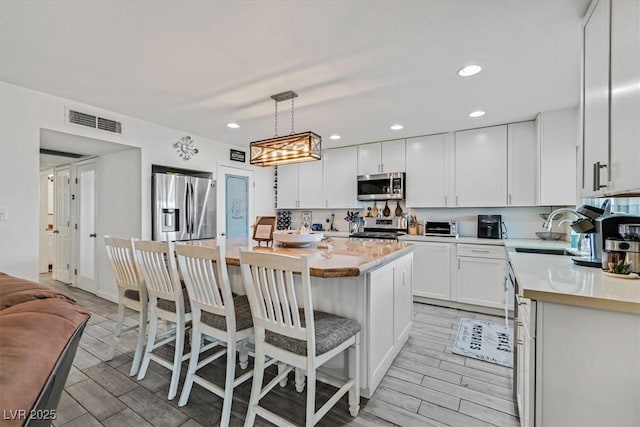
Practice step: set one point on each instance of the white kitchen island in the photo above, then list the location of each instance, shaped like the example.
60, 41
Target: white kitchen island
578, 344
369, 281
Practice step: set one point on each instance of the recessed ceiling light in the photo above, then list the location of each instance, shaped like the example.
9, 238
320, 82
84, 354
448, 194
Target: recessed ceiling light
477, 113
233, 125
334, 136
469, 70
396, 127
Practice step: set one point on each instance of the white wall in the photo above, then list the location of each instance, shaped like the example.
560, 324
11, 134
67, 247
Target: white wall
23, 112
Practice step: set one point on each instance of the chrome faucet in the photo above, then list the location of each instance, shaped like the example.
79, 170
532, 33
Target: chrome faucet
548, 224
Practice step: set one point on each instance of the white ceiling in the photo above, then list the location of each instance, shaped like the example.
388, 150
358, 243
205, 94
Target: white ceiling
358, 67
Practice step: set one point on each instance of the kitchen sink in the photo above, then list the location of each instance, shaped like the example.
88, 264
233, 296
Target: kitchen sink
544, 251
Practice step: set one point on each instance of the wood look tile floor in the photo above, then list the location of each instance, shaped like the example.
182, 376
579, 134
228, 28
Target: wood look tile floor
427, 385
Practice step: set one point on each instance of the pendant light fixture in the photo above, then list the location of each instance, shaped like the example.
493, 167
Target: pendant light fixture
281, 150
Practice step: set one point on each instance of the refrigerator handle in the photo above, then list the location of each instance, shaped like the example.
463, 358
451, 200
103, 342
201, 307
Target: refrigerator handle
187, 207
193, 209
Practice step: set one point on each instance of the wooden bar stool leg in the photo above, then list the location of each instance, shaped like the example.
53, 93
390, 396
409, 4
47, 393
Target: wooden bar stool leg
118, 330
354, 373
228, 385
142, 333
177, 359
258, 374
311, 397
153, 331
196, 337
243, 349
281, 368
300, 377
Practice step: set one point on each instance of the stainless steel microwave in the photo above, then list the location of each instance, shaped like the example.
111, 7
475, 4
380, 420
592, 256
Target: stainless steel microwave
384, 186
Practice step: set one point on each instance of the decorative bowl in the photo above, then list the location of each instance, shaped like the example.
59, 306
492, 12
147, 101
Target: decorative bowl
550, 235
296, 240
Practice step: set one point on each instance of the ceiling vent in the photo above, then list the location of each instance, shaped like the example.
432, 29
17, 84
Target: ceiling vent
89, 120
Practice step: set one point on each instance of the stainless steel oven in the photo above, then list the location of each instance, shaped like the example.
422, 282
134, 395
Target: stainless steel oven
382, 228
384, 186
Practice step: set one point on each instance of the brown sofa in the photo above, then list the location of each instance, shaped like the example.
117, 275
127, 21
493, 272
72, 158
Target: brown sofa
40, 329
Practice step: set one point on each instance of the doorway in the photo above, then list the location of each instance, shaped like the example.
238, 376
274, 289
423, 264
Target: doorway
235, 198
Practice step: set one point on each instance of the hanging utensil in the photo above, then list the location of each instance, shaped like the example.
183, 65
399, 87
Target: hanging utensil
398, 209
374, 211
387, 210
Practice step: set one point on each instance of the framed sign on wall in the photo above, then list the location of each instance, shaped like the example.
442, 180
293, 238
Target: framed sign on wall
237, 155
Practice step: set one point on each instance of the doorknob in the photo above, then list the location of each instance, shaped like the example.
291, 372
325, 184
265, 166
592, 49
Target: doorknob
92, 235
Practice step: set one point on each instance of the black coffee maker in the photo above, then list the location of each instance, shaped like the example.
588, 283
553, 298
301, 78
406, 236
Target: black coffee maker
490, 226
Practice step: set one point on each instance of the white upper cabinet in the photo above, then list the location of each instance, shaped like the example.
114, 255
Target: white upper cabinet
310, 184
427, 173
300, 185
340, 177
521, 166
481, 167
611, 99
595, 101
625, 97
557, 140
381, 157
287, 187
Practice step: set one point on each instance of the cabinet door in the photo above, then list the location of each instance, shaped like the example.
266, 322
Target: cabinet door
381, 331
288, 186
595, 142
427, 171
393, 156
481, 167
310, 185
481, 281
521, 165
558, 137
431, 270
625, 97
402, 297
369, 159
340, 178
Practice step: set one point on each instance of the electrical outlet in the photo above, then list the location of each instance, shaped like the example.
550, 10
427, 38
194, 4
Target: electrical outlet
3, 214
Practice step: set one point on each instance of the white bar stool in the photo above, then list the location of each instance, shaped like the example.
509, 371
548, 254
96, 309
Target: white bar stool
167, 301
215, 313
285, 331
132, 294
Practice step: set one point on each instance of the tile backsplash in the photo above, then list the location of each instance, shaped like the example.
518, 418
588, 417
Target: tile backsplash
520, 222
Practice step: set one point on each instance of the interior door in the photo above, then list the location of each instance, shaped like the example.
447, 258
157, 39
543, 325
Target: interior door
61, 227
235, 198
86, 227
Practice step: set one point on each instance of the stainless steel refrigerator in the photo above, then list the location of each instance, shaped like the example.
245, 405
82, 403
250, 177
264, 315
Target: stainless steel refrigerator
184, 207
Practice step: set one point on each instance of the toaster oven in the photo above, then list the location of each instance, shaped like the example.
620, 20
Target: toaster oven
441, 228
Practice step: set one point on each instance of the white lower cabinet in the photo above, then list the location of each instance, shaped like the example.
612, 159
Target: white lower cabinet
402, 298
389, 293
572, 370
525, 361
481, 275
432, 270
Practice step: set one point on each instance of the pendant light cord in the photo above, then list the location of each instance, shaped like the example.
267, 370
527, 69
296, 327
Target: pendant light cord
292, 115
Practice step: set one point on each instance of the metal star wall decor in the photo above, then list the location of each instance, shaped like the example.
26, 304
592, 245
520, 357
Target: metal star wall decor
185, 148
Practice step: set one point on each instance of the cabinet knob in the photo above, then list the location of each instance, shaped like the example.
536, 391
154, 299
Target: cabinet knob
92, 235
56, 231
520, 342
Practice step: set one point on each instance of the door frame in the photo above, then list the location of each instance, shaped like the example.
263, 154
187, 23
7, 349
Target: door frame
221, 208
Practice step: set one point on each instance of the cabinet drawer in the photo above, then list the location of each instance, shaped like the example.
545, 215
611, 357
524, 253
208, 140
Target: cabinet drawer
482, 251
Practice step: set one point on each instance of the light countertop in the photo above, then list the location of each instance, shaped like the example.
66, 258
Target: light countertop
555, 278
508, 243
346, 258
